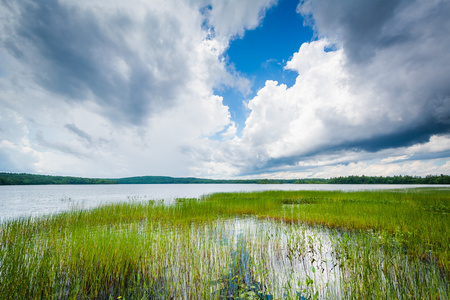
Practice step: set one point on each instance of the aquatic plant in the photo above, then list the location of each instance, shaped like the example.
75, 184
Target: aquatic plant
269, 245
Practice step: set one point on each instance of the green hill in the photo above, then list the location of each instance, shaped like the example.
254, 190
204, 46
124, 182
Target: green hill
31, 179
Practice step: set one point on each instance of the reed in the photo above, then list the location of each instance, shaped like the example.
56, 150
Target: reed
268, 245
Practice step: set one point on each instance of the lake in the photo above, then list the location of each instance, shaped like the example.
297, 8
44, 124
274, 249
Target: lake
37, 200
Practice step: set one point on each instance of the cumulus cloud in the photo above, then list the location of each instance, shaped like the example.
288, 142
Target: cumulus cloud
99, 88
231, 18
373, 83
133, 63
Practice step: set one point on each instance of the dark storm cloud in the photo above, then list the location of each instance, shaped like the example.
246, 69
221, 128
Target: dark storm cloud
359, 25
381, 89
406, 138
434, 155
76, 53
80, 133
399, 50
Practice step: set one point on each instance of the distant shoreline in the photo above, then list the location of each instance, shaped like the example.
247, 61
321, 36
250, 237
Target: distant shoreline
33, 179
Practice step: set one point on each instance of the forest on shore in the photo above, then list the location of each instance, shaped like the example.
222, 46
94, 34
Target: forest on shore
32, 179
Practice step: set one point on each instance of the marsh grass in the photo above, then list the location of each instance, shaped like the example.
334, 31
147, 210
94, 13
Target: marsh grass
268, 245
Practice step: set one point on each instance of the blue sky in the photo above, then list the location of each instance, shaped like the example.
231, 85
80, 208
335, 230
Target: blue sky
225, 88
262, 53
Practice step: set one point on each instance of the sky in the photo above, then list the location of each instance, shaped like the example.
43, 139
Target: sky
225, 88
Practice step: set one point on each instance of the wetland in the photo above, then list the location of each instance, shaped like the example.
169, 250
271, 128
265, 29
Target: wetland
381, 244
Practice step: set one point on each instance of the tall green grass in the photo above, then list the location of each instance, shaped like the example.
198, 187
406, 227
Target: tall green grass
418, 219
268, 245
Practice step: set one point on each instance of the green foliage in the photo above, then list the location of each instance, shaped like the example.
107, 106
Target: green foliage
29, 179
265, 245
193, 180
429, 179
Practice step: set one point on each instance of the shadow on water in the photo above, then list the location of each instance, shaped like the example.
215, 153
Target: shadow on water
240, 281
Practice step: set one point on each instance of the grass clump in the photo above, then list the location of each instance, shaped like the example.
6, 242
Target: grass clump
265, 245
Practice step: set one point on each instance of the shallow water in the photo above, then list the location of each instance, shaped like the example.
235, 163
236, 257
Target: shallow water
37, 200
296, 257
277, 260
293, 260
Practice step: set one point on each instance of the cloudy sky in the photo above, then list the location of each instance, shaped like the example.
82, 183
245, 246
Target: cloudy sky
225, 88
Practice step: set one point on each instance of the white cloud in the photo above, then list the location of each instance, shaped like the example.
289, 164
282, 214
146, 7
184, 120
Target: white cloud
303, 118
395, 158
232, 17
99, 88
381, 93
15, 149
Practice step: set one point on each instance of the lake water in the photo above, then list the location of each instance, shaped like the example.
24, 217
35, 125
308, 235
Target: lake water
36, 200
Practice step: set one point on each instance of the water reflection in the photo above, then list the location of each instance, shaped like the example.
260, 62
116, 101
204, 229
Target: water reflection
273, 260
276, 260
37, 200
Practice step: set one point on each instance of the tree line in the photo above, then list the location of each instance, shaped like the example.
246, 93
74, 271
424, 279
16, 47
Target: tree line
31, 179
429, 179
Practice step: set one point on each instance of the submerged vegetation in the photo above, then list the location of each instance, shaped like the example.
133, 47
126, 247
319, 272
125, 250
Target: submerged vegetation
265, 245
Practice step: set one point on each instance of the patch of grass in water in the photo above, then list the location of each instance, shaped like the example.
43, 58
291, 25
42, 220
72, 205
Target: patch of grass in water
383, 244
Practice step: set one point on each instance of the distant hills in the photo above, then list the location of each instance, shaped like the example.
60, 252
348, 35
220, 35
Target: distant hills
193, 180
31, 179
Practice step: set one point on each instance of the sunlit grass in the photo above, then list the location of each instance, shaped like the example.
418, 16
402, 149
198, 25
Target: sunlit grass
265, 245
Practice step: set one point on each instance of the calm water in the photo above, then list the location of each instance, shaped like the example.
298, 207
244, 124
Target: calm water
35, 200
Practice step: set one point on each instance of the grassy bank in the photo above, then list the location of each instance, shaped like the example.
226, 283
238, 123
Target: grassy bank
268, 245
